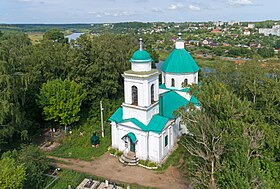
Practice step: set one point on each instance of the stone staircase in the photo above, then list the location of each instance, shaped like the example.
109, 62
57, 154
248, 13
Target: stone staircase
129, 159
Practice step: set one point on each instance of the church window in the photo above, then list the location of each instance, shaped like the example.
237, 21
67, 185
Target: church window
166, 140
194, 79
134, 95
185, 82
152, 93
172, 82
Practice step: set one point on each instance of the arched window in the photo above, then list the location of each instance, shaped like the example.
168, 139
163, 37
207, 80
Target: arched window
185, 82
172, 82
152, 93
134, 92
194, 79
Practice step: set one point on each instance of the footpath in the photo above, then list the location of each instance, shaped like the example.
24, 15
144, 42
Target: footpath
110, 168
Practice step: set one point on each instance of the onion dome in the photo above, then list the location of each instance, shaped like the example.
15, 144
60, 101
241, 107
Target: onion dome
141, 56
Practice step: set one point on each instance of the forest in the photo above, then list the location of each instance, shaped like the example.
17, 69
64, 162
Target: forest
234, 140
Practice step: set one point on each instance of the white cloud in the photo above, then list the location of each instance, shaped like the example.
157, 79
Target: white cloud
157, 10
240, 2
111, 12
175, 6
194, 8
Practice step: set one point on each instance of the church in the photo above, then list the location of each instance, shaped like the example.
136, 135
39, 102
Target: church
145, 126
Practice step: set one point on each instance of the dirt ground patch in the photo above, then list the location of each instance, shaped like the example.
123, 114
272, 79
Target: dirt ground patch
109, 167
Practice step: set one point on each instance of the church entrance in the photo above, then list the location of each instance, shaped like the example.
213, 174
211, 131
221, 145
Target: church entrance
131, 141
132, 145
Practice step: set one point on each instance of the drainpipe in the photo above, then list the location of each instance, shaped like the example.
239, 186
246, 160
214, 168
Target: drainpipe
148, 150
160, 105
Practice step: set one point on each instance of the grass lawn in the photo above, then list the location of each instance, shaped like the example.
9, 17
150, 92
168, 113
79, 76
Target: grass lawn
79, 147
35, 37
68, 177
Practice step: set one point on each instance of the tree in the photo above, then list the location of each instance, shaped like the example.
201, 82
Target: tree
14, 80
98, 62
204, 146
55, 35
277, 44
226, 141
266, 52
12, 175
61, 101
36, 164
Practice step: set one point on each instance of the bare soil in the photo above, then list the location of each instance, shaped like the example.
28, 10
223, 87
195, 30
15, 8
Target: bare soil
110, 168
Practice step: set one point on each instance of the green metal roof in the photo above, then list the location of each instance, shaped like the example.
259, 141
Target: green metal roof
156, 124
141, 56
169, 102
117, 115
132, 137
194, 101
179, 61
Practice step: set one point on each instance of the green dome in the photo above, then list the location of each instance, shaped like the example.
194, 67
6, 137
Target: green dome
141, 56
179, 61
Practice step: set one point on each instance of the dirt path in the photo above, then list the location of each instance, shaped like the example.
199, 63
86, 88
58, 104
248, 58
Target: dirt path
108, 167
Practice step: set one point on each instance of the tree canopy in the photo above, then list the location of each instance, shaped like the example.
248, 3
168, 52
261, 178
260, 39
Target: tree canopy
55, 35
61, 100
230, 136
12, 174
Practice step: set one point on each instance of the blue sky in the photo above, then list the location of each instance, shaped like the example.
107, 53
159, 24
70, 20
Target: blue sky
100, 11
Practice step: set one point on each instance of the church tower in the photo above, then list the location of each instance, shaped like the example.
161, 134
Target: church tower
179, 69
141, 87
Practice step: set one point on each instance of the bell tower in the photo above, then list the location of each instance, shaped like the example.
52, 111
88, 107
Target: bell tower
141, 87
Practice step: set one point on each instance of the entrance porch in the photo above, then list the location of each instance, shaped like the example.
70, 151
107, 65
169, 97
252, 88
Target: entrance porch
129, 154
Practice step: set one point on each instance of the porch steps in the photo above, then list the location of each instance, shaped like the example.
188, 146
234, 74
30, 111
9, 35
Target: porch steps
129, 159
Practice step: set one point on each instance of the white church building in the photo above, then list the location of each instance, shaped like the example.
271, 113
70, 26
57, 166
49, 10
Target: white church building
145, 126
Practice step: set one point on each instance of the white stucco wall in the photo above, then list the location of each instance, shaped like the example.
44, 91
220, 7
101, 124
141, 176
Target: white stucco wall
179, 79
141, 67
142, 114
144, 89
149, 145
184, 94
180, 44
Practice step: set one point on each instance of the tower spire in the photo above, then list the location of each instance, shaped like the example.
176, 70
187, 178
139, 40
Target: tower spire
180, 44
140, 44
179, 36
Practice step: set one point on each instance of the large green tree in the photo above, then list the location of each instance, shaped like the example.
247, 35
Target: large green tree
226, 145
61, 100
12, 174
35, 162
55, 35
14, 80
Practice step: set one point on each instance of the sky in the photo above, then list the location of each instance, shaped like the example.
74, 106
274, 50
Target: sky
110, 11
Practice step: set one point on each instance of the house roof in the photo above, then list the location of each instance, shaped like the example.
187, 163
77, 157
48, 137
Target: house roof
169, 102
179, 61
194, 101
132, 136
156, 124
141, 56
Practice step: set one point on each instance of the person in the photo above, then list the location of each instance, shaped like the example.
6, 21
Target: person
114, 186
